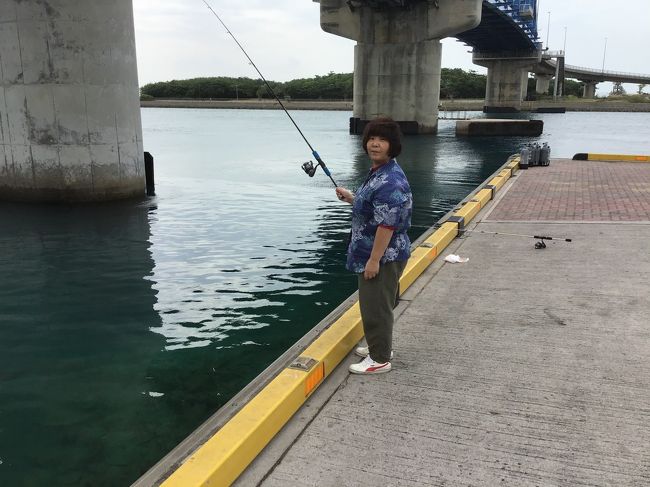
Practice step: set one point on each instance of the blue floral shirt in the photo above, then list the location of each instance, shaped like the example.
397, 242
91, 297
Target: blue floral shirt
383, 200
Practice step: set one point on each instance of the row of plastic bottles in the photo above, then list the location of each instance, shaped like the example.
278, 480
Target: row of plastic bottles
535, 155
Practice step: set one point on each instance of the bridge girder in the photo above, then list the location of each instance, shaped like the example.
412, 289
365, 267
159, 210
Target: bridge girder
497, 32
385, 4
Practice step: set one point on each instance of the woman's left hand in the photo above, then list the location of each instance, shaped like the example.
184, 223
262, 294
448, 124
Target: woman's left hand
371, 270
344, 194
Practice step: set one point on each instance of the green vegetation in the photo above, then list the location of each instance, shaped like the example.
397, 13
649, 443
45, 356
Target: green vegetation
331, 86
571, 88
220, 87
455, 83
643, 98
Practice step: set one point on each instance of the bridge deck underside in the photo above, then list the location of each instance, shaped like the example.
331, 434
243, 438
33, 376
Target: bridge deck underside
497, 32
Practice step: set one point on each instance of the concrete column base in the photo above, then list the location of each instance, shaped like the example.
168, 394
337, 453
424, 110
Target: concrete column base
398, 80
507, 82
501, 109
407, 127
70, 126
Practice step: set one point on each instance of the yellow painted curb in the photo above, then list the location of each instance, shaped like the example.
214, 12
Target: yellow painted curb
220, 460
483, 197
583, 156
618, 157
469, 211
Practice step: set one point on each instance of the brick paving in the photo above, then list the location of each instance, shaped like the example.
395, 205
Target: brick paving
578, 191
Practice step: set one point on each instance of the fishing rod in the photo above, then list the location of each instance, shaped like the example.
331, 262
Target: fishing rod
538, 245
308, 166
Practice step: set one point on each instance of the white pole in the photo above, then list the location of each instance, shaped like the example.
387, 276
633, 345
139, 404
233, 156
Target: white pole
548, 28
557, 76
604, 52
564, 47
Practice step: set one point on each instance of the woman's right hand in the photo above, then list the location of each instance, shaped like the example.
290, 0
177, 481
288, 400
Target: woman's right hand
344, 194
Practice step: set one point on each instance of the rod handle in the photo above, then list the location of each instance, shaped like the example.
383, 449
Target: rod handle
321, 163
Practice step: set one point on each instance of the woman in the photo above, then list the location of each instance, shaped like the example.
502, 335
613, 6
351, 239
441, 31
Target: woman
379, 246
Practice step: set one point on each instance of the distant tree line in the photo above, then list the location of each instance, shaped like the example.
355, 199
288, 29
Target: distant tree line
454, 84
457, 83
332, 86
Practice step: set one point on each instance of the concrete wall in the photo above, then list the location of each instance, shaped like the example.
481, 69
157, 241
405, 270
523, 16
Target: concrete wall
70, 125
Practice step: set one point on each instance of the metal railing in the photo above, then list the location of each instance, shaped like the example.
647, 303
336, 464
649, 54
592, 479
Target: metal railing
599, 72
621, 74
522, 12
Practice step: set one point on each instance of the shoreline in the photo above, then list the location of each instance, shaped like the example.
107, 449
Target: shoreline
251, 104
346, 105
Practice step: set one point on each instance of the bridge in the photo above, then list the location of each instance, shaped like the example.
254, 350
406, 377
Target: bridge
70, 124
397, 56
548, 67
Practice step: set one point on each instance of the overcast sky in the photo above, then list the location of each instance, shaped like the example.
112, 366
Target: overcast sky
179, 39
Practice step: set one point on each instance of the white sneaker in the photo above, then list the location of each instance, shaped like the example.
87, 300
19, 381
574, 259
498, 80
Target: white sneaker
364, 351
369, 366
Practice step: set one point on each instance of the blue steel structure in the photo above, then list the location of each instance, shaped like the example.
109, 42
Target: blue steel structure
522, 12
506, 26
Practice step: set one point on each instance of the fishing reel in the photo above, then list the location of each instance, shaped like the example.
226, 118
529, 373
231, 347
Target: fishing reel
540, 245
309, 168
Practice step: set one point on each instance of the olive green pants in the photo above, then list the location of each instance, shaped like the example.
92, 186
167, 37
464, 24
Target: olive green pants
377, 298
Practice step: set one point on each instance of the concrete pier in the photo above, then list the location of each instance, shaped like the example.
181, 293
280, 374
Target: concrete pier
589, 90
542, 84
520, 367
70, 124
398, 54
507, 81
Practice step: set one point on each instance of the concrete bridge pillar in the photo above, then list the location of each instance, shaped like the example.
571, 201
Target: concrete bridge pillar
70, 125
398, 54
589, 90
543, 83
507, 81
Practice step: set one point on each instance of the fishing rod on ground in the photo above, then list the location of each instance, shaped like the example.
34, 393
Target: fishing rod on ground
538, 245
308, 166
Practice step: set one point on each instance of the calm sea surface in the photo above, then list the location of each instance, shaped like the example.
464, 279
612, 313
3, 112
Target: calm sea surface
124, 326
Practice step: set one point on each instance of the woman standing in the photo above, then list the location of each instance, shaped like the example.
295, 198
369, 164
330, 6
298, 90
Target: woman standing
379, 246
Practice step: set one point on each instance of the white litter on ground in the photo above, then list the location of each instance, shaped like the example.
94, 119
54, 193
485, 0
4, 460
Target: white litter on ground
456, 259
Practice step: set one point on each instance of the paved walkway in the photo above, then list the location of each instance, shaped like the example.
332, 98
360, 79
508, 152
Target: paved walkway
575, 191
521, 367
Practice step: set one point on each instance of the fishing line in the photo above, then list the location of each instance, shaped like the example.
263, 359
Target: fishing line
308, 167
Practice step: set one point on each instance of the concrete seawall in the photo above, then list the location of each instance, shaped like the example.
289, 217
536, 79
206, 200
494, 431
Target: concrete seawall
445, 105
252, 104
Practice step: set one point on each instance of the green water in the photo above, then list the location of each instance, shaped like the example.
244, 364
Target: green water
124, 326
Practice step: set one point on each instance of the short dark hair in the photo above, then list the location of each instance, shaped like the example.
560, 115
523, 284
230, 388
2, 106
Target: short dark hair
385, 128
